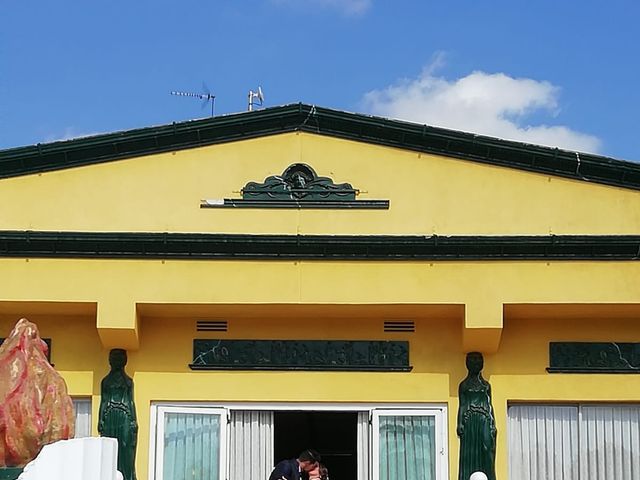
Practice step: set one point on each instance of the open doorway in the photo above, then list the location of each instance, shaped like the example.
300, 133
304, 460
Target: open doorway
332, 434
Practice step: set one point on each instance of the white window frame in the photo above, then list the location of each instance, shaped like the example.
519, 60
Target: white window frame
156, 453
439, 410
439, 414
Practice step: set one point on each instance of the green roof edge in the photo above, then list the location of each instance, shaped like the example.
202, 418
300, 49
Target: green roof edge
324, 121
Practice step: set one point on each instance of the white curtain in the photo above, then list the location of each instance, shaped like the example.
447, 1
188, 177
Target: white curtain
610, 442
543, 442
363, 446
192, 446
82, 407
587, 442
251, 445
407, 448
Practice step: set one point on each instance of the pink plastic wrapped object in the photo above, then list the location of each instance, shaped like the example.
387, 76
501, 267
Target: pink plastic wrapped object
35, 409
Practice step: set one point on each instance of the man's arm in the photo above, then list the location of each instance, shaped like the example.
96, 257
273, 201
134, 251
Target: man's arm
282, 471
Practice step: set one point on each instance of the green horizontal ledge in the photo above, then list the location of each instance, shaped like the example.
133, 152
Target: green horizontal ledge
310, 368
44, 244
298, 204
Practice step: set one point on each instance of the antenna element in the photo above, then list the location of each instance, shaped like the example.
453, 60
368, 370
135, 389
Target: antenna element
255, 98
206, 97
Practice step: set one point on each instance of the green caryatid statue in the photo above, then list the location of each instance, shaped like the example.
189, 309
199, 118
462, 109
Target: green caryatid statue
117, 417
476, 422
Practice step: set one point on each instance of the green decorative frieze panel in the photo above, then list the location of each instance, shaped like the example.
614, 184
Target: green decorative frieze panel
346, 355
297, 187
594, 357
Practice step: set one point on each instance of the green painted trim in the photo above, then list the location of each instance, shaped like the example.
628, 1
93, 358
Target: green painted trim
197, 246
300, 204
323, 121
10, 473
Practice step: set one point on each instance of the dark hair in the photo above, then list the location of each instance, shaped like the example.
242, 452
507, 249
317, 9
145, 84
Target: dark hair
324, 472
310, 456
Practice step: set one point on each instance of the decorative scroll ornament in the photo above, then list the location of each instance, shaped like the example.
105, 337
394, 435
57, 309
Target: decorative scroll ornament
301, 355
298, 182
594, 357
298, 187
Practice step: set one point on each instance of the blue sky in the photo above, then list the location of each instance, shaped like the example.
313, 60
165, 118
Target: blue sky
559, 72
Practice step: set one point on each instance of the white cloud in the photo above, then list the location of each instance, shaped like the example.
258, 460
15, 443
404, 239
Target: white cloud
69, 133
489, 104
347, 7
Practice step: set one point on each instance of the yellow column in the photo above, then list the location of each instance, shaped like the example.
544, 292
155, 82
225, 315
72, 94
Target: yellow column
482, 326
118, 323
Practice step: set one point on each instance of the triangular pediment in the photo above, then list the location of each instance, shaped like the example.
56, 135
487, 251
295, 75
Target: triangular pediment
301, 170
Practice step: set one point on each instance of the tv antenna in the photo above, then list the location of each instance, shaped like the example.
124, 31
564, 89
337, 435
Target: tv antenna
206, 97
255, 98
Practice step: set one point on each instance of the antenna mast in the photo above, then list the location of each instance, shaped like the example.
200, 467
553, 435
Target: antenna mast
255, 98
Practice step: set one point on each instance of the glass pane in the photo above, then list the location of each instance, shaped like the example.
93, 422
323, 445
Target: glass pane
191, 446
407, 447
82, 407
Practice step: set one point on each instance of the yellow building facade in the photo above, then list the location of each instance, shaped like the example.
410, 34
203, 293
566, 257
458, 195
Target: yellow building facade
442, 243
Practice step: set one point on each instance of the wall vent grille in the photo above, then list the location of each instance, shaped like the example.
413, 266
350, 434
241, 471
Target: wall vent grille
211, 325
399, 326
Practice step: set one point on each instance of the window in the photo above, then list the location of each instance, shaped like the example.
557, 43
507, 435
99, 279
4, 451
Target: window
244, 441
82, 408
191, 443
574, 442
409, 445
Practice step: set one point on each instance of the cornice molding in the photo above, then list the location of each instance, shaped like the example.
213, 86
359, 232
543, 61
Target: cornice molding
199, 246
323, 121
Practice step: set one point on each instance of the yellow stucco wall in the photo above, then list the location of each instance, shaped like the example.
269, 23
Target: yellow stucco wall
516, 373
428, 194
150, 306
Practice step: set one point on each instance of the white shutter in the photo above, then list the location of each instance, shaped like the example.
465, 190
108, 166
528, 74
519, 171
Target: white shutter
251, 445
543, 442
587, 442
610, 442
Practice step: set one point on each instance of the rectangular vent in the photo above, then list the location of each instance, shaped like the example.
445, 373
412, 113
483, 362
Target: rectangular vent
395, 326
211, 325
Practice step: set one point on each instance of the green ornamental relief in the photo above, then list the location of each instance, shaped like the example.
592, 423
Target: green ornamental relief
594, 357
320, 355
298, 182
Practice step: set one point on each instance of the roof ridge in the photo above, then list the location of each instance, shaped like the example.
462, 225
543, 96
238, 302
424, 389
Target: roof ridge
106, 147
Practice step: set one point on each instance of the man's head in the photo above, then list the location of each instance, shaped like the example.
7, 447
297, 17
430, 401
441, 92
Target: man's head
308, 460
